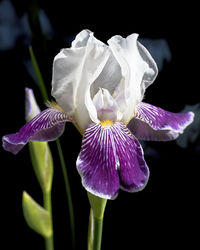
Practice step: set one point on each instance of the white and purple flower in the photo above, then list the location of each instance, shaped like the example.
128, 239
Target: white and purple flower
100, 89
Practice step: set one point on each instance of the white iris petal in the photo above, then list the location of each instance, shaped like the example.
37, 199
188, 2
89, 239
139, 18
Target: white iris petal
124, 69
81, 39
110, 76
74, 71
138, 69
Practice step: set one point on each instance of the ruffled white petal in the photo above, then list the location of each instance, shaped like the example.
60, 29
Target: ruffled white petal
152, 71
119, 96
125, 69
74, 71
81, 39
109, 78
67, 68
137, 67
96, 57
67, 72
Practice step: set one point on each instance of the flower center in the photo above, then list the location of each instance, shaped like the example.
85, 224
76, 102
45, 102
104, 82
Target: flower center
106, 123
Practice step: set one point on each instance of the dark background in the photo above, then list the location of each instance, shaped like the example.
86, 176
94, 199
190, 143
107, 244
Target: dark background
166, 212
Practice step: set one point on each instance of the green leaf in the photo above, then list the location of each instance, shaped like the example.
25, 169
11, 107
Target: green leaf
38, 75
42, 163
36, 216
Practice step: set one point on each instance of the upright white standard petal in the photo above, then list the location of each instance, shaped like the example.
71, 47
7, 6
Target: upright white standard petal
96, 56
138, 70
109, 78
81, 39
67, 68
74, 70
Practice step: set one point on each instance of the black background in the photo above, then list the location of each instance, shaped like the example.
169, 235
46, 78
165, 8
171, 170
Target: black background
166, 212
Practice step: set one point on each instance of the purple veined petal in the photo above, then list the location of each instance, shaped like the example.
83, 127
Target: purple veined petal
133, 170
46, 126
153, 123
110, 158
96, 162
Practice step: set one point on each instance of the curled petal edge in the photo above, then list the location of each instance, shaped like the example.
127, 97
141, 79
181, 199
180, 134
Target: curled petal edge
156, 124
46, 126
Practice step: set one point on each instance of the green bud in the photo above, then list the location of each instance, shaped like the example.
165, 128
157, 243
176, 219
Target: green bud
36, 216
42, 163
97, 204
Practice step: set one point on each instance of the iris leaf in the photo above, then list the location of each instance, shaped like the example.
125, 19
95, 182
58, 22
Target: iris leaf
38, 75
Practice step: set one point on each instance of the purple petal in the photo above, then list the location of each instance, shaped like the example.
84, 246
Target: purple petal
96, 162
133, 170
153, 123
46, 126
111, 156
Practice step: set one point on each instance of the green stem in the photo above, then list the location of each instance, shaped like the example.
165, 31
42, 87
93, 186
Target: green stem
97, 233
38, 75
90, 230
47, 205
67, 188
96, 221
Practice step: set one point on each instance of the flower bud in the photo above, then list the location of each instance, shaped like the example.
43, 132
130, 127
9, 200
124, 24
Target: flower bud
42, 163
36, 216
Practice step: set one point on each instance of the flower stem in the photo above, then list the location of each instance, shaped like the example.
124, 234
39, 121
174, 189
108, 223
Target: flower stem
90, 230
97, 233
47, 205
95, 221
67, 188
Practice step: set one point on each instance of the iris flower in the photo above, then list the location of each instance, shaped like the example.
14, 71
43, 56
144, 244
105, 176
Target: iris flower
100, 89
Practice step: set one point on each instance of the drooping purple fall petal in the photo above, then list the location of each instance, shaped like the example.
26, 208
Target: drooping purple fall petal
156, 124
111, 157
46, 126
133, 170
97, 161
